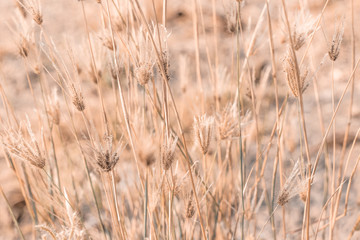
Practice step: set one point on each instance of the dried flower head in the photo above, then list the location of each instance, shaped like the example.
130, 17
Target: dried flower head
94, 74
34, 8
302, 29
119, 24
143, 73
190, 207
303, 195
105, 156
291, 74
168, 151
143, 51
71, 228
20, 5
77, 99
293, 185
228, 122
231, 18
334, 50
23, 47
107, 41
165, 63
175, 186
23, 32
203, 127
24, 149
161, 34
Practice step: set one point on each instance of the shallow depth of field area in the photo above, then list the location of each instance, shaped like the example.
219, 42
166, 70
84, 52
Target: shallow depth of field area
192, 119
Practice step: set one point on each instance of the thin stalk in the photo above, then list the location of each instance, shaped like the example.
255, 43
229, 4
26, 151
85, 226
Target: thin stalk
274, 76
12, 215
146, 205
240, 139
343, 150
332, 213
116, 202
33, 204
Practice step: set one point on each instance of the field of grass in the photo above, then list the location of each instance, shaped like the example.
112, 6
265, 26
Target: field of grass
193, 119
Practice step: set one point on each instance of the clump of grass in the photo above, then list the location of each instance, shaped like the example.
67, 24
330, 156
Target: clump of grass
121, 78
28, 150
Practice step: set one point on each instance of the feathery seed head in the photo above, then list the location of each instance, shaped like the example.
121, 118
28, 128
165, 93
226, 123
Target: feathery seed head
105, 156
34, 8
231, 18
23, 47
203, 127
143, 73
20, 5
302, 28
291, 74
77, 99
190, 207
28, 151
144, 58
165, 64
293, 186
107, 41
168, 151
228, 123
334, 50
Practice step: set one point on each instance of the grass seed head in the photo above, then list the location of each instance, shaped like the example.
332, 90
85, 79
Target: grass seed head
168, 151
34, 8
20, 6
228, 123
302, 28
291, 74
77, 99
106, 157
203, 127
23, 47
107, 41
334, 50
231, 18
24, 149
165, 62
190, 207
293, 186
143, 73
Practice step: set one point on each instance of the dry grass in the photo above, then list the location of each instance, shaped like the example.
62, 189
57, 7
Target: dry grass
186, 119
